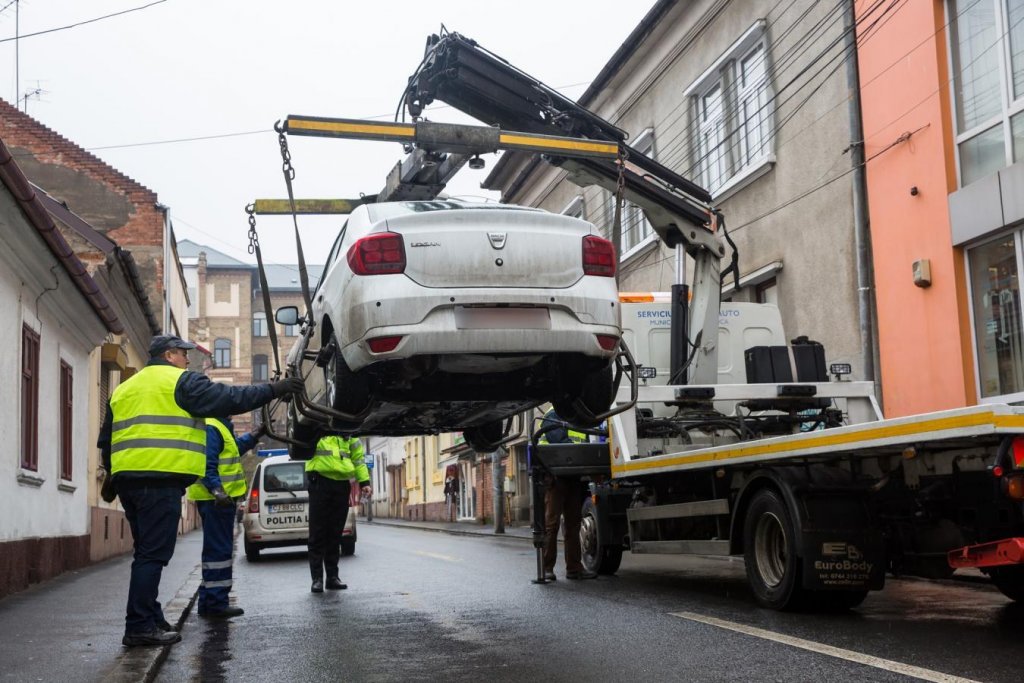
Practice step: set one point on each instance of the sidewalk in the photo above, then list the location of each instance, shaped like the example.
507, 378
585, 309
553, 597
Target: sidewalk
70, 628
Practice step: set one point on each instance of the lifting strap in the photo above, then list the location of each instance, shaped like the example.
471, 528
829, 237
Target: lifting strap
254, 248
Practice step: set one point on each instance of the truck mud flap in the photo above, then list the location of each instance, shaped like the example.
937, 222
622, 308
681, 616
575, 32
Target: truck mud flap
843, 560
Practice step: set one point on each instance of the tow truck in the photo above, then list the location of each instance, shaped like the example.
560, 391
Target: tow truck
725, 448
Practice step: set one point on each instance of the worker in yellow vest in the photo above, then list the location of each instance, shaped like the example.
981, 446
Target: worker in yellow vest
337, 460
153, 443
217, 494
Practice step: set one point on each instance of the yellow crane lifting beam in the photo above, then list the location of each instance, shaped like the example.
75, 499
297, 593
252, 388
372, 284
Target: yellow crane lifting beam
283, 207
450, 137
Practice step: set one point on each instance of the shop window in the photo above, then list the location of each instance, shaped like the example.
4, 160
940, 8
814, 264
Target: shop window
995, 300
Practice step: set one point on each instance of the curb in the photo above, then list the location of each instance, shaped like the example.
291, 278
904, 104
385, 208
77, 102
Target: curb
143, 663
453, 532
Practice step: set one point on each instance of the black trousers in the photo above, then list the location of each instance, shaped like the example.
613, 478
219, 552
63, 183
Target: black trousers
328, 509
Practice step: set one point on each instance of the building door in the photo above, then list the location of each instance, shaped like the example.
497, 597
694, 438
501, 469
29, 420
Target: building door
467, 489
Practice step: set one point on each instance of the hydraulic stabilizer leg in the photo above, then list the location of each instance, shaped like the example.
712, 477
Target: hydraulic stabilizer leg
537, 485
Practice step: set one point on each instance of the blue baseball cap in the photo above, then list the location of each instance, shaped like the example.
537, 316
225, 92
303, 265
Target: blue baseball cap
166, 342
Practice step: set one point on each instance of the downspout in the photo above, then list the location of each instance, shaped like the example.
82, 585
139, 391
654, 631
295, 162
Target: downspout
861, 226
166, 266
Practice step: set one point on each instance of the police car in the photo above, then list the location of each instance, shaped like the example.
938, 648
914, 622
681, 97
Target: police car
277, 509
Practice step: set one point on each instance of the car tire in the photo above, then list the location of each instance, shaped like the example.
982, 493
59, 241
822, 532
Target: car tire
594, 388
346, 390
348, 546
485, 438
300, 432
252, 551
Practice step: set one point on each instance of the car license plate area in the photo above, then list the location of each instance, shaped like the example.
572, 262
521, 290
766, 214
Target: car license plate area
492, 318
286, 507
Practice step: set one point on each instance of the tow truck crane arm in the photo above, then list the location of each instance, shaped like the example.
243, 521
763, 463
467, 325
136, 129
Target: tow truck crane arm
457, 71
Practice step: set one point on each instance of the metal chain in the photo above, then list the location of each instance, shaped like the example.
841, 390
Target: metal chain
254, 239
289, 176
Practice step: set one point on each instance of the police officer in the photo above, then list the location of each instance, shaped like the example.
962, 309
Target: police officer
153, 442
216, 496
563, 498
337, 460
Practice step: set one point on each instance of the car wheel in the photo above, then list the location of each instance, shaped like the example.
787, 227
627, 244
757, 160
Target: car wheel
252, 551
300, 432
593, 388
348, 546
769, 540
486, 437
346, 391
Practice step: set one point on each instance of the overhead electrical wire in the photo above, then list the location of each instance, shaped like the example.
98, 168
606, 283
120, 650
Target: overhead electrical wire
82, 23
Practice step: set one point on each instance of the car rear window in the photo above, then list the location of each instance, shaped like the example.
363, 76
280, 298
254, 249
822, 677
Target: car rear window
289, 476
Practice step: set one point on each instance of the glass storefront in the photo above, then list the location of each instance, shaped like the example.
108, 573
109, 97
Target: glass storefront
995, 300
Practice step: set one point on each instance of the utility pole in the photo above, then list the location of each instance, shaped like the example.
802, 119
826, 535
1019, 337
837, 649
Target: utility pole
498, 479
17, 43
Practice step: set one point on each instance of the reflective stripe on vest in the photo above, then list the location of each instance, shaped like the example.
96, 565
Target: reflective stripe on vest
151, 432
229, 467
338, 457
574, 437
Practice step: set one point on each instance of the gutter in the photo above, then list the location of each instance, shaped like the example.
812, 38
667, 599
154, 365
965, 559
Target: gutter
32, 207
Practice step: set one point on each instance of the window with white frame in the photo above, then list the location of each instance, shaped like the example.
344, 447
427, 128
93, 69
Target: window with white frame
733, 113
987, 58
574, 208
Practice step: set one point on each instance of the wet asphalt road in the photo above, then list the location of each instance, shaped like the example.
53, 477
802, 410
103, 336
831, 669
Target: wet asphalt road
424, 606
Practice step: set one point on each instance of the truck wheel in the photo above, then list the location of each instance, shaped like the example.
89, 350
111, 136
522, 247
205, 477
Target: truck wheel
769, 541
597, 557
1010, 581
252, 551
346, 391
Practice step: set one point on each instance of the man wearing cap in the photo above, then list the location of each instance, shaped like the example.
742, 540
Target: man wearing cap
153, 443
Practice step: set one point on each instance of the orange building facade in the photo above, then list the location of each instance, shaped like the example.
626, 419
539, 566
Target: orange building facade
942, 94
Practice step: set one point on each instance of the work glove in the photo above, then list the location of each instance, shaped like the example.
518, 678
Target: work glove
220, 498
287, 387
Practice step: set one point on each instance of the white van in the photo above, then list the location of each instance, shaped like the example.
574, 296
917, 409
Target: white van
277, 510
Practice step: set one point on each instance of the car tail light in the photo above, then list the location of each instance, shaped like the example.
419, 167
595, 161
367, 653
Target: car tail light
254, 501
1018, 452
598, 256
384, 344
607, 341
1013, 486
382, 253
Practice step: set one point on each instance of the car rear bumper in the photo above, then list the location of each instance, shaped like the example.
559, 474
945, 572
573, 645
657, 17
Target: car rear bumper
447, 322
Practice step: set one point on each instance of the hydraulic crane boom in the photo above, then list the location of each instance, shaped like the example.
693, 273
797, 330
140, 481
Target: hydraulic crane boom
459, 72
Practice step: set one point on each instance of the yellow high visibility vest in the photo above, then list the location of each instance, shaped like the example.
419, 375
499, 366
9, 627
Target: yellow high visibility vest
151, 432
339, 457
229, 467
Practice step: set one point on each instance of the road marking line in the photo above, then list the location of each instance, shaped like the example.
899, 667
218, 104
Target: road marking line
821, 648
436, 556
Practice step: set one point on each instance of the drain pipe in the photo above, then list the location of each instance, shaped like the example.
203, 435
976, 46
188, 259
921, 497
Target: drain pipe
861, 226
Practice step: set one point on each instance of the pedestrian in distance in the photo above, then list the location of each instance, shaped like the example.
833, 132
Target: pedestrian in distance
337, 460
153, 443
563, 498
217, 495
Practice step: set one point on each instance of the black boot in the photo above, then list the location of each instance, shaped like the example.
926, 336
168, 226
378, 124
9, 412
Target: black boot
335, 584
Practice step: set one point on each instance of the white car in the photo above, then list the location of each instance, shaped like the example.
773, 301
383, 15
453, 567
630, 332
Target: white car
276, 514
439, 316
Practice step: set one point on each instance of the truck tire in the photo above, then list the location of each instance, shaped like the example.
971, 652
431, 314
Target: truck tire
597, 557
769, 542
1010, 581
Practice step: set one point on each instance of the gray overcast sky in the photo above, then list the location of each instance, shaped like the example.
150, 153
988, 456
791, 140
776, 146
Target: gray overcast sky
191, 68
